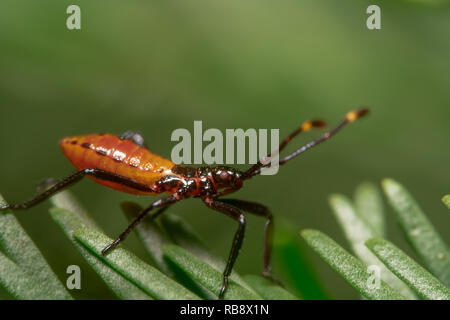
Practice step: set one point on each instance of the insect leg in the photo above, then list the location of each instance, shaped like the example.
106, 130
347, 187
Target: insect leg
227, 191
162, 203
260, 210
72, 179
237, 215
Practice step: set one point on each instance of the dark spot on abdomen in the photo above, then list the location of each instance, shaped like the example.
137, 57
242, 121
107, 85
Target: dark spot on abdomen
86, 145
101, 151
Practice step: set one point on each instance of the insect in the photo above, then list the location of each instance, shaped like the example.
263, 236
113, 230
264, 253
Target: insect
126, 164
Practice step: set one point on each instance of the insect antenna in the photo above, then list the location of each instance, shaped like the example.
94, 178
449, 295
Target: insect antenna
307, 125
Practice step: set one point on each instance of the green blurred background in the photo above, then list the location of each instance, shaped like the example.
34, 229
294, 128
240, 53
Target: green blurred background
154, 66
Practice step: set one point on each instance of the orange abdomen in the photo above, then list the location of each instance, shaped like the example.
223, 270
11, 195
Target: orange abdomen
123, 157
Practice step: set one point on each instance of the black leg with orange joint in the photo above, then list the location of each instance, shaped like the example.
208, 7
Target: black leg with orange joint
237, 215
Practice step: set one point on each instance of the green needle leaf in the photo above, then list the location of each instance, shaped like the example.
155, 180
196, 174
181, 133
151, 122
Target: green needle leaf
369, 205
154, 237
292, 257
19, 247
423, 282
21, 285
146, 277
69, 221
357, 230
181, 233
185, 236
267, 289
207, 276
66, 200
151, 235
350, 268
446, 200
420, 232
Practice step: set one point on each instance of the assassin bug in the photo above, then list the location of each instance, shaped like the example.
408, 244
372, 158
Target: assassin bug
126, 164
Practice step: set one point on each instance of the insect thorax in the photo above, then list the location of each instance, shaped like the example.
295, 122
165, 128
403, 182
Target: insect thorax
202, 181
